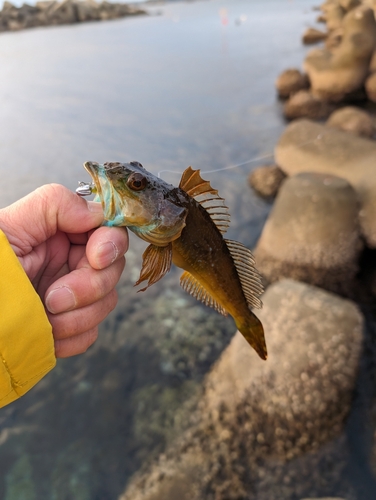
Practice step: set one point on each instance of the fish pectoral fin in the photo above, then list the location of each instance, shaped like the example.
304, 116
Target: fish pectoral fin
250, 278
156, 262
191, 285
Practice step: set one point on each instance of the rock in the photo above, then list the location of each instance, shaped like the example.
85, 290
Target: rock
354, 120
372, 64
370, 86
291, 81
334, 15
306, 146
321, 19
313, 35
307, 330
266, 180
324, 498
349, 4
88, 11
334, 39
336, 73
312, 233
65, 12
305, 105
256, 418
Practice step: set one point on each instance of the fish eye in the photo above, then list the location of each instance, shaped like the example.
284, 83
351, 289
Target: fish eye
137, 182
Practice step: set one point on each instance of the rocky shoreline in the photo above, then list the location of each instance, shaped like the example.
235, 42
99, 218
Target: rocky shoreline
280, 428
54, 13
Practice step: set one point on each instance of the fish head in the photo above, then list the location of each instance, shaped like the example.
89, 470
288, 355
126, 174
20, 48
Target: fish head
133, 197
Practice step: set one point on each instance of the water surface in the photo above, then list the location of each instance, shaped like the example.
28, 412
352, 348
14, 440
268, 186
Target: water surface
171, 90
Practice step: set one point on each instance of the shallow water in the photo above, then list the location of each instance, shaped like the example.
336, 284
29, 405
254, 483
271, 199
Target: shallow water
169, 90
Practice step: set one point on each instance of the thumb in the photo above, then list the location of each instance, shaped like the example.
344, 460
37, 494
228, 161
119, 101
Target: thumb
39, 215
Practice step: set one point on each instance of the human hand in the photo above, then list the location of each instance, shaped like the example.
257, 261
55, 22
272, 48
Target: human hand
73, 266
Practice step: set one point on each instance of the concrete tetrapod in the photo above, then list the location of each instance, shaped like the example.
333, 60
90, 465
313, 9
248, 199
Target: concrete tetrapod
256, 417
312, 233
306, 146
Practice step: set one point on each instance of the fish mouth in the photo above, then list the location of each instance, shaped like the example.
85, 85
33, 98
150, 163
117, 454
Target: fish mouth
105, 193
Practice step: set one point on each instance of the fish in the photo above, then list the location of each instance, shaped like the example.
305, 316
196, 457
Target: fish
184, 226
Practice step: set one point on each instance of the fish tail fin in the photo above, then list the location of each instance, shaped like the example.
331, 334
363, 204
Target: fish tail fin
252, 330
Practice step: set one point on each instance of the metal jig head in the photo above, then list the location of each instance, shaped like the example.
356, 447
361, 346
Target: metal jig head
85, 189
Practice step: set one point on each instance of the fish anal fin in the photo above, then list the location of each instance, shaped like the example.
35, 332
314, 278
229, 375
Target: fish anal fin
249, 276
156, 262
192, 286
195, 186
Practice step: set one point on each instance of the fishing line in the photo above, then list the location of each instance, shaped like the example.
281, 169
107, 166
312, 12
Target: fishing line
257, 158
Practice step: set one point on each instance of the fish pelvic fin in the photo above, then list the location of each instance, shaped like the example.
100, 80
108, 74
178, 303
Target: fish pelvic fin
191, 285
249, 276
156, 262
199, 189
252, 330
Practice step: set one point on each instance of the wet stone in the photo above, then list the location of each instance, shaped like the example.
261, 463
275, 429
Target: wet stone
334, 74
313, 35
304, 104
290, 81
333, 15
324, 498
266, 180
312, 233
370, 86
270, 429
306, 146
354, 120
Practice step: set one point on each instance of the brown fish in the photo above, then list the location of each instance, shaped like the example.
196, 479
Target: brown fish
184, 225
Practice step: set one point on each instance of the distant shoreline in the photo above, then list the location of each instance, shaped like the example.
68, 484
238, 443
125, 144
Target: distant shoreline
55, 13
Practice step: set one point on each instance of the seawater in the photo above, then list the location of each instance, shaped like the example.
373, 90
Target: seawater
190, 84
169, 90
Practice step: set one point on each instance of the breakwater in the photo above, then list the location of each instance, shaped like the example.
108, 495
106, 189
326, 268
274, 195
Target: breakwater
52, 13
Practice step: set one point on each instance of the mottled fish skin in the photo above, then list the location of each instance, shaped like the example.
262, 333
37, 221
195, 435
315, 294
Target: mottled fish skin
181, 230
205, 255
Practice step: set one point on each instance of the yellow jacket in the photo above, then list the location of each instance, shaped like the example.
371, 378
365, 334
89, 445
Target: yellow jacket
26, 343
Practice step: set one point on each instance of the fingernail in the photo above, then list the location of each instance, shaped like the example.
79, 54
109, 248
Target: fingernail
60, 300
95, 207
107, 253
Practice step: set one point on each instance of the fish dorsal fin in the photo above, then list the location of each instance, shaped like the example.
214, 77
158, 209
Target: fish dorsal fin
195, 186
250, 278
190, 284
156, 262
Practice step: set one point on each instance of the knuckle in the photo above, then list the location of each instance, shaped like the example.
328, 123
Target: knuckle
103, 282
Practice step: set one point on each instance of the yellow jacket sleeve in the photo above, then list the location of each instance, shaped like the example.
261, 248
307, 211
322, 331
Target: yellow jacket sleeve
26, 342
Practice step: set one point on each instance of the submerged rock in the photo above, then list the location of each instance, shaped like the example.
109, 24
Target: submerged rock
305, 105
256, 418
354, 120
266, 180
336, 73
312, 233
291, 81
306, 146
